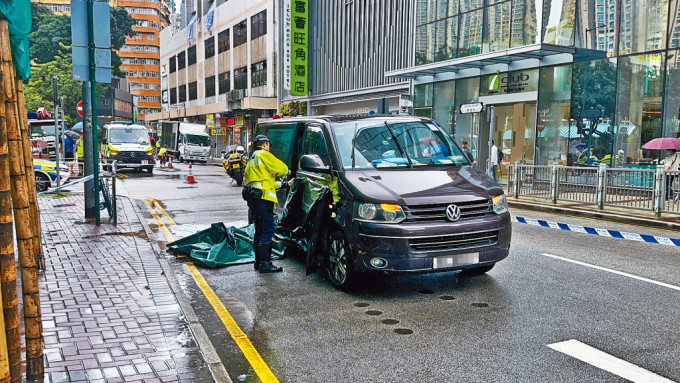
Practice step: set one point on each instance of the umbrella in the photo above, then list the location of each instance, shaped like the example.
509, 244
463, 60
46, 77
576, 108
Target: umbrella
662, 143
78, 127
72, 135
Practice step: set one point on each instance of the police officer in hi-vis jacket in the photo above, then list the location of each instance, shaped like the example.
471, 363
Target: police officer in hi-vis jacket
260, 192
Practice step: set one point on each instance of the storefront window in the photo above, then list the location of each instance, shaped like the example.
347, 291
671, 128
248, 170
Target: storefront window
671, 121
470, 40
647, 33
444, 95
527, 18
422, 103
497, 36
593, 104
559, 26
640, 84
466, 126
553, 114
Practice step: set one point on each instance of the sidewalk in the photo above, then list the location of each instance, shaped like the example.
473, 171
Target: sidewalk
109, 313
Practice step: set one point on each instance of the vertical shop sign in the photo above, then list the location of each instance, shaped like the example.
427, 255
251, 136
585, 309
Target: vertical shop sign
299, 47
210, 121
286, 44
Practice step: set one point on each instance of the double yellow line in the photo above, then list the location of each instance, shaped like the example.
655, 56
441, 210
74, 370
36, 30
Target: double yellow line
261, 369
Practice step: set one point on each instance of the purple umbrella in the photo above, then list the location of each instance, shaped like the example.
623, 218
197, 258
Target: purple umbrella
662, 143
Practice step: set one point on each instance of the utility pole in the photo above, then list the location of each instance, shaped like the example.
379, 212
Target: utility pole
88, 165
63, 123
57, 133
93, 91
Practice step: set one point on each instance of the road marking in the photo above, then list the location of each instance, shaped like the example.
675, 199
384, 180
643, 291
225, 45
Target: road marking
607, 362
249, 351
614, 272
161, 225
165, 213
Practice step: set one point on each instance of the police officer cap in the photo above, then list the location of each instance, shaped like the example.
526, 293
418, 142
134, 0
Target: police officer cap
259, 140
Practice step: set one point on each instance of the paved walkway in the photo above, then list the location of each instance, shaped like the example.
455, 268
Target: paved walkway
109, 313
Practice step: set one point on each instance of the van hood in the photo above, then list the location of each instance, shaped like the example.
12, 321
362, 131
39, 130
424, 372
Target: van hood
131, 147
420, 186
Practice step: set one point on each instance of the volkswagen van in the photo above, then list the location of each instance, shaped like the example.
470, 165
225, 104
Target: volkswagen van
128, 144
408, 200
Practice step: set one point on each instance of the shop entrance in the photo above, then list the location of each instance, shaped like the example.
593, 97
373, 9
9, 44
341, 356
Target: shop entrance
514, 132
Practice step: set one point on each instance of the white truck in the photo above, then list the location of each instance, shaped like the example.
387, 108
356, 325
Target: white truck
186, 141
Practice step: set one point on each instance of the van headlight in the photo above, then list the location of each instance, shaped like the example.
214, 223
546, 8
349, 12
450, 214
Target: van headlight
500, 204
383, 212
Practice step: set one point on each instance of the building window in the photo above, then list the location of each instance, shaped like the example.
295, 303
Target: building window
193, 90
224, 83
151, 36
138, 36
223, 41
182, 93
173, 96
241, 78
210, 86
181, 62
173, 64
240, 33
258, 25
191, 55
210, 47
258, 74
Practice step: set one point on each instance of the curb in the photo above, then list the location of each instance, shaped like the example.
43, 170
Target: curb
587, 213
219, 372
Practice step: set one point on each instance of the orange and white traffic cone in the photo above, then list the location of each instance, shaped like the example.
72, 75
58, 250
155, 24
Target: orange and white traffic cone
190, 177
169, 165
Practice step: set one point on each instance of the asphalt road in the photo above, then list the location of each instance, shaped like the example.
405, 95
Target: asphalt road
591, 292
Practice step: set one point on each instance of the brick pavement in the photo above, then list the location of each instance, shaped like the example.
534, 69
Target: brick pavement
109, 313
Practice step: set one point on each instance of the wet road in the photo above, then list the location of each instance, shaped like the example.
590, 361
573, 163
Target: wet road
541, 315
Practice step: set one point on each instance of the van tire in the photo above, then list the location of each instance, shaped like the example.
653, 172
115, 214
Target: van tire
339, 264
477, 270
181, 159
149, 170
42, 182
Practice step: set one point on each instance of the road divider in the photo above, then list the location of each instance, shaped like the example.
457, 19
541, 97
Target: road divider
601, 232
609, 363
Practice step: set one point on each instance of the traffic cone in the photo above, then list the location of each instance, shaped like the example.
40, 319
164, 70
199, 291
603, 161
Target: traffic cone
169, 164
190, 177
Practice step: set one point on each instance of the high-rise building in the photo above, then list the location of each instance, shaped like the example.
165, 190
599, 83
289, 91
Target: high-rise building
140, 55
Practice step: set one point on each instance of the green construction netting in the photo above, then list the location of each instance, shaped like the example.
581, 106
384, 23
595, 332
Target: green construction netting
18, 15
220, 245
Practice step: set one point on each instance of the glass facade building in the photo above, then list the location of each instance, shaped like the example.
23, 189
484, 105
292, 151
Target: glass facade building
565, 77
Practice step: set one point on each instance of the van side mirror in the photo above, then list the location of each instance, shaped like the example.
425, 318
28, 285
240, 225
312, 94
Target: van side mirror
313, 163
104, 141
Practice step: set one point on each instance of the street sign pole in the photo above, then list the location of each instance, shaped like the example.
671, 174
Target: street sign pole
93, 105
57, 133
87, 149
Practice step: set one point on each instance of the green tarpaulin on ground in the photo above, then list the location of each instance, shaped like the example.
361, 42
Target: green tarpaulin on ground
18, 15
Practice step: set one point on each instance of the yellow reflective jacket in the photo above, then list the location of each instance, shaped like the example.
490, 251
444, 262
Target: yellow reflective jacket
79, 149
261, 172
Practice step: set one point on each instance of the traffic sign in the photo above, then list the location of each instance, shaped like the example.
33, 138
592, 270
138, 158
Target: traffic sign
79, 109
475, 107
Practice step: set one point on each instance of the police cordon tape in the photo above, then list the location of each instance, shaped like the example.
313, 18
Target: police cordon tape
67, 185
601, 232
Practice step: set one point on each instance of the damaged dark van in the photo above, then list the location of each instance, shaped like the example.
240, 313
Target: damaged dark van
391, 194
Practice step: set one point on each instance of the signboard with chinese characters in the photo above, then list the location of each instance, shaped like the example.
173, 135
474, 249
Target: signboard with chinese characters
210, 121
237, 135
299, 47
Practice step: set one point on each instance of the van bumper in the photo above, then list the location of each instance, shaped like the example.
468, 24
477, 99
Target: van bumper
432, 247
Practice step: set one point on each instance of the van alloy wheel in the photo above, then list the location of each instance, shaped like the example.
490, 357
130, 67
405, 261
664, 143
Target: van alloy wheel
339, 268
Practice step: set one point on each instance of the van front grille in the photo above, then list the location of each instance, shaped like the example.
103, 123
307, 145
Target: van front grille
437, 212
454, 241
131, 157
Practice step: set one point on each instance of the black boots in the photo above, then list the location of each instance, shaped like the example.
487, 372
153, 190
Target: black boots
265, 257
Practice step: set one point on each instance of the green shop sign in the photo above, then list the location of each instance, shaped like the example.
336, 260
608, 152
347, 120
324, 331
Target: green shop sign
298, 41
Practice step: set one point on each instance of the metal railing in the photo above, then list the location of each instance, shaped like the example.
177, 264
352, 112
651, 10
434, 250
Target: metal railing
654, 190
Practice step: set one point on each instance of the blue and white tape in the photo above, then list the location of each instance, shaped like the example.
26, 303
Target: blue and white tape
601, 232
67, 185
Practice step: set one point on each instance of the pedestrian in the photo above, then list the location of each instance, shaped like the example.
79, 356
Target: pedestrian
467, 152
69, 147
670, 164
260, 193
79, 146
494, 160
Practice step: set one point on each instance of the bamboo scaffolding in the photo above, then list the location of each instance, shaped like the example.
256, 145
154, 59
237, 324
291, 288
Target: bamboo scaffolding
9, 338
8, 276
21, 193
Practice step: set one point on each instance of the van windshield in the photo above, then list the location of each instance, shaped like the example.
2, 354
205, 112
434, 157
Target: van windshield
403, 144
129, 136
198, 140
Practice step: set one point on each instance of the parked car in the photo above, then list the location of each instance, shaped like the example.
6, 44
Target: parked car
406, 197
46, 174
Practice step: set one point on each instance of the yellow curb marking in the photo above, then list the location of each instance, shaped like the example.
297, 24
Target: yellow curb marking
261, 369
165, 213
161, 225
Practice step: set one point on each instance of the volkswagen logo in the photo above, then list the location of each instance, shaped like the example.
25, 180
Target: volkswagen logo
453, 213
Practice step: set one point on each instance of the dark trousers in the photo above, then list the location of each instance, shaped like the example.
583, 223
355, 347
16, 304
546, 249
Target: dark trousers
669, 186
68, 155
263, 215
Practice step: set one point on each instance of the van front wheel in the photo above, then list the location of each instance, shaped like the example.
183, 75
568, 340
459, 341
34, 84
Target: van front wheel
339, 268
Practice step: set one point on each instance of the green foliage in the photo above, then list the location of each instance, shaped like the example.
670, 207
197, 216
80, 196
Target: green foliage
47, 39
121, 26
293, 108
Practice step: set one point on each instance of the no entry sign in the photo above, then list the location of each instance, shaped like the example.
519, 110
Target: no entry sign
79, 108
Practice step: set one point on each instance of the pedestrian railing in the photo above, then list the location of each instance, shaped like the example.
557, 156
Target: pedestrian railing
654, 190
